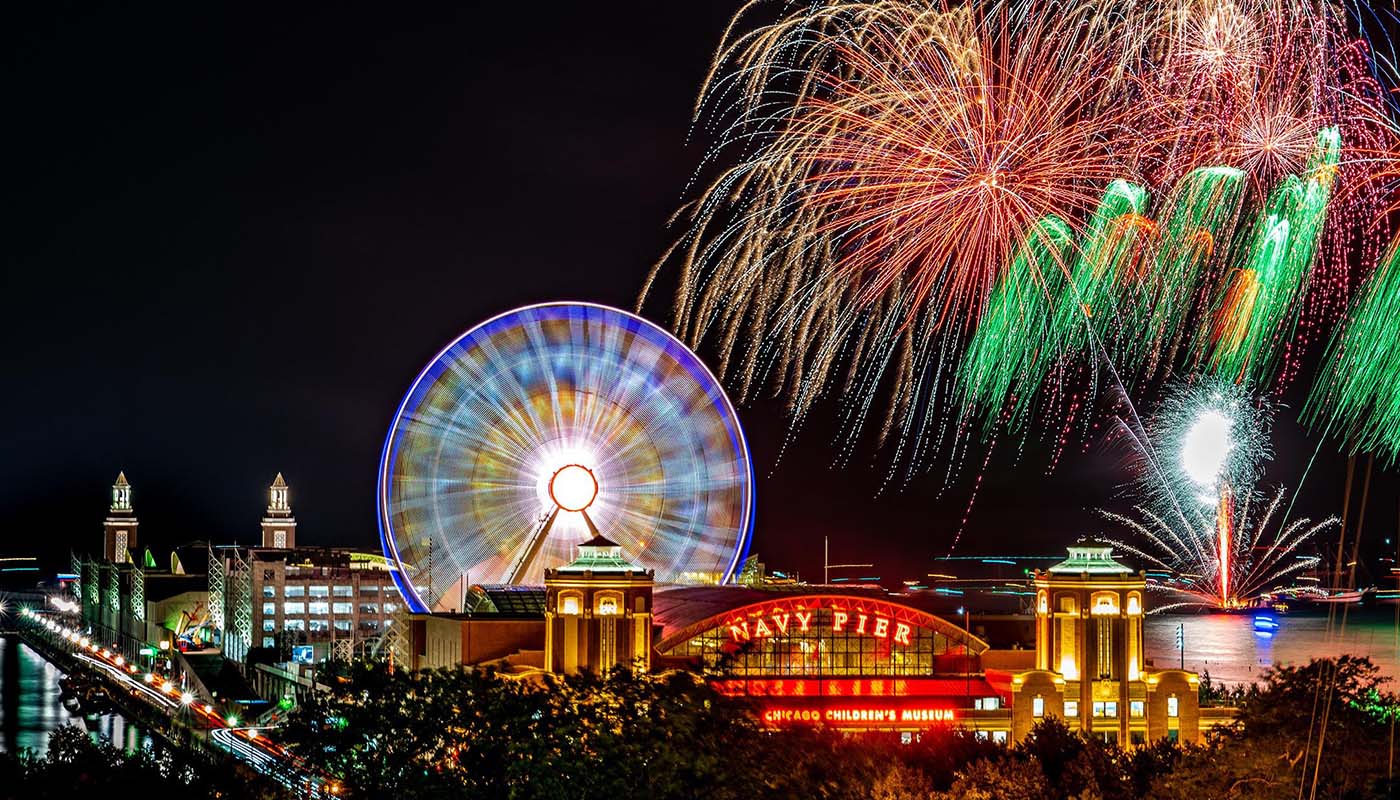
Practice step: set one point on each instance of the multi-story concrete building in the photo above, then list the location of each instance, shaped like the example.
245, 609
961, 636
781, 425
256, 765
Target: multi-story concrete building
276, 598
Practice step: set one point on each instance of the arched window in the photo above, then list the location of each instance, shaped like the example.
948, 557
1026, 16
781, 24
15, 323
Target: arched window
609, 605
571, 604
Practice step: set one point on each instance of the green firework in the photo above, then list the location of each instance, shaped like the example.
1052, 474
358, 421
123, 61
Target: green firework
1013, 330
1357, 394
1257, 309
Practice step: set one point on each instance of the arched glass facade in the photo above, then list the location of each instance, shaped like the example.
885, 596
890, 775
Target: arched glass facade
823, 636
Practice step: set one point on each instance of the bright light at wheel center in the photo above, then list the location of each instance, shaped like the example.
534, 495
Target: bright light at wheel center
573, 487
1205, 448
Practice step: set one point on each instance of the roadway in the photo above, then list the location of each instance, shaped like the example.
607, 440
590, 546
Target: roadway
200, 723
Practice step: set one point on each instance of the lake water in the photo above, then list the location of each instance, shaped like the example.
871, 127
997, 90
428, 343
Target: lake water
30, 709
1227, 646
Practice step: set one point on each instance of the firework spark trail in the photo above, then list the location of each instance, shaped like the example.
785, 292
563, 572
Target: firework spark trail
1264, 555
1357, 397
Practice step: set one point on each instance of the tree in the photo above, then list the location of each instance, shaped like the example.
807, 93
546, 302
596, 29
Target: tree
77, 766
1333, 707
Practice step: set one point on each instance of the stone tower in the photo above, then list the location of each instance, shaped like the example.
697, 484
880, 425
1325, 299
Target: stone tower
597, 612
119, 529
279, 527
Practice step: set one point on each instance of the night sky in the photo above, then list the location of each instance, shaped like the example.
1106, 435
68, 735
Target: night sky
234, 238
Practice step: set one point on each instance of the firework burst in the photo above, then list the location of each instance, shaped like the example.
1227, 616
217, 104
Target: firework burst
1262, 557
1199, 460
945, 214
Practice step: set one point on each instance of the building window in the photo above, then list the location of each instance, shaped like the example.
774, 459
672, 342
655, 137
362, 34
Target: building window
986, 703
607, 606
390, 608
293, 608
269, 625
319, 608
1172, 734
1172, 707
369, 624
269, 591
1135, 708
269, 641
569, 605
1038, 706
1137, 737
999, 737
342, 624
318, 626
269, 609
369, 588
1098, 708
269, 575
1105, 637
1110, 708
343, 608
319, 591
369, 608
295, 591
1071, 708
295, 625
279, 539
344, 591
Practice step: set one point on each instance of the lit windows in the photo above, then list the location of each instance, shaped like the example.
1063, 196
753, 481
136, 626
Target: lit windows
269, 609
369, 588
569, 605
269, 591
607, 606
986, 703
343, 608
390, 608
1172, 707
295, 591
342, 624
369, 608
269, 641
1110, 708
294, 625
319, 607
1098, 708
319, 591
1038, 706
318, 626
293, 608
999, 737
1135, 708
269, 625
344, 591
1071, 708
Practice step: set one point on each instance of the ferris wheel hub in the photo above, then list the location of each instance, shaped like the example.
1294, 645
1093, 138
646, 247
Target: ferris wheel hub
573, 487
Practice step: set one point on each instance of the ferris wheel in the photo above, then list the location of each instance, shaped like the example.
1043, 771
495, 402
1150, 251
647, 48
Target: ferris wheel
546, 426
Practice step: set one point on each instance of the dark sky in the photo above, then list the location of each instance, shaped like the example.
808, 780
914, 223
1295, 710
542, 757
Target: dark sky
234, 237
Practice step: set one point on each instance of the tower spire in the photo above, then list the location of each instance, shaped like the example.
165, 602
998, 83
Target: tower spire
279, 527
119, 529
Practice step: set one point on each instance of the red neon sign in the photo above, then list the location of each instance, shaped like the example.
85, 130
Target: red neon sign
859, 715
778, 620
853, 687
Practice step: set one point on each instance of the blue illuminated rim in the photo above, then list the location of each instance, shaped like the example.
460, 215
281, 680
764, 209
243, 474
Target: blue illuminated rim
559, 310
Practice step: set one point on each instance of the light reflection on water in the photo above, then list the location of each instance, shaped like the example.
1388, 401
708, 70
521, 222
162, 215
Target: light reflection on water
30, 709
1227, 646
